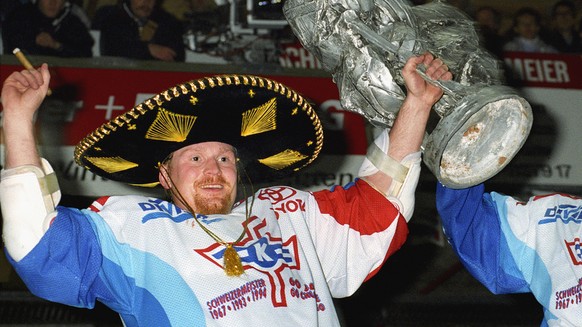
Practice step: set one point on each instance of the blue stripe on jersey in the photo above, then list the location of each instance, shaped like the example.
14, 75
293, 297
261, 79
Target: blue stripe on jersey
525, 255
162, 294
64, 265
470, 221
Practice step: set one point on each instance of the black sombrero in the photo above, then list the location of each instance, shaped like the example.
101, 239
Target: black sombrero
275, 130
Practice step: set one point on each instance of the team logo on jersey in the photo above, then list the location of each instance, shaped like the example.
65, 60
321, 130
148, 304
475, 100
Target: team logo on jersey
565, 212
575, 250
263, 252
156, 209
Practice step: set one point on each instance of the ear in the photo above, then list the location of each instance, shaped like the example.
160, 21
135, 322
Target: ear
164, 177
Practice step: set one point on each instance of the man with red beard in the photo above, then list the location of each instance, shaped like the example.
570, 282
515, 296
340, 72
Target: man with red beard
204, 174
139, 29
277, 257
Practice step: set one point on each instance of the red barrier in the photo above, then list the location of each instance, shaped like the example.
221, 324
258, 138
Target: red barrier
546, 70
102, 93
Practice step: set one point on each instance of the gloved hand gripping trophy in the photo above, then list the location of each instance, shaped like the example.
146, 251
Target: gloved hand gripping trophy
365, 44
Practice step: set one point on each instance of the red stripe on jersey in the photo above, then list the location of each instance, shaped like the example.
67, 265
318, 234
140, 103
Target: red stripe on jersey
360, 206
98, 204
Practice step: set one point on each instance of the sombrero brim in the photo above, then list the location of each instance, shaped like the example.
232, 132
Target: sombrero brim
275, 130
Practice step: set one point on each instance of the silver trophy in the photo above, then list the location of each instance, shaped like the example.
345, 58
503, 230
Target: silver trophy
364, 44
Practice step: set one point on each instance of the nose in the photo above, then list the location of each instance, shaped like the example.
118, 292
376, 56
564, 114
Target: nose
212, 168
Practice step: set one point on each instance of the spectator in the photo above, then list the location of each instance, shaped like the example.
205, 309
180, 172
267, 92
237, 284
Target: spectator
48, 28
488, 21
564, 35
140, 29
527, 24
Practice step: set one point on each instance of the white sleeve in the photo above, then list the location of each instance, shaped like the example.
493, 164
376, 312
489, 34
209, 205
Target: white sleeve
28, 197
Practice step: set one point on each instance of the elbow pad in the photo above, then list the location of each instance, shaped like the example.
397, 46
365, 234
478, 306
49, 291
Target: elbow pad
405, 174
29, 196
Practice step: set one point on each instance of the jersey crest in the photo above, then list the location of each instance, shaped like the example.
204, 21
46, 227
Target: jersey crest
263, 252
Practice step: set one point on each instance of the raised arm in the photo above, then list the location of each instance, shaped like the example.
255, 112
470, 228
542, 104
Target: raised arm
400, 157
29, 190
22, 94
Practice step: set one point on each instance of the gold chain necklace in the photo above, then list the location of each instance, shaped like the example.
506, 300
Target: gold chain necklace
232, 263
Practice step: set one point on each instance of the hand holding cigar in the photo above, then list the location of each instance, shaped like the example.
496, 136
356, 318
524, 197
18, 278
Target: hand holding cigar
24, 61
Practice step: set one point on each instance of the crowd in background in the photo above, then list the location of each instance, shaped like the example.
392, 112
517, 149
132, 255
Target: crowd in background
154, 29
529, 31
136, 29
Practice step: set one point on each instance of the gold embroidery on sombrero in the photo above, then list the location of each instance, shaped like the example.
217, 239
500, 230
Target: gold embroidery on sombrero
260, 119
283, 159
154, 184
251, 93
169, 126
193, 100
212, 82
111, 164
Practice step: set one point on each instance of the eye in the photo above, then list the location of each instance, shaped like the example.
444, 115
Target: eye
195, 158
224, 159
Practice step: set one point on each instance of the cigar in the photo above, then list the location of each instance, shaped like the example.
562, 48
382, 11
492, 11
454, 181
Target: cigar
24, 61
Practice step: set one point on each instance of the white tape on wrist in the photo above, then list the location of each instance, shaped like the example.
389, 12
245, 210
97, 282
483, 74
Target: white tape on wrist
29, 196
404, 174
405, 191
377, 159
386, 164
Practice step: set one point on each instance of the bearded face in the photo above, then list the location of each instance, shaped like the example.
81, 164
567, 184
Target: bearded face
209, 203
202, 177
